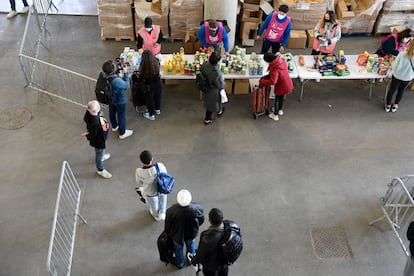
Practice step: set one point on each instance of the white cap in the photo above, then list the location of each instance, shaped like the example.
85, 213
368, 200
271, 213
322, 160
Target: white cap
184, 197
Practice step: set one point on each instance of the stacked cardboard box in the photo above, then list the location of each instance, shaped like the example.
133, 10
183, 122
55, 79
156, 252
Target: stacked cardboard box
157, 10
395, 12
191, 43
115, 19
297, 39
185, 16
250, 17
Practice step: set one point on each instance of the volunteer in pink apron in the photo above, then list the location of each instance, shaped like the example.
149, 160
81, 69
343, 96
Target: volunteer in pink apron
392, 44
149, 37
327, 33
213, 34
277, 26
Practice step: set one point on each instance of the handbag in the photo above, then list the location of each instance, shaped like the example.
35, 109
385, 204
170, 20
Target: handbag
223, 96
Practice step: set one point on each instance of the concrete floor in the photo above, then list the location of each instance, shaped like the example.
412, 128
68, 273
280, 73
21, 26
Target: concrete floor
325, 163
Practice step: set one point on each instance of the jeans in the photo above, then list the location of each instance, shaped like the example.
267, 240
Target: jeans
279, 99
99, 155
13, 4
178, 249
157, 204
266, 45
222, 272
117, 116
399, 85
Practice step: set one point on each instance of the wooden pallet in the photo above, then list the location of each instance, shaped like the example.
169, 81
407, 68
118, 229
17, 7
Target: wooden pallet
117, 38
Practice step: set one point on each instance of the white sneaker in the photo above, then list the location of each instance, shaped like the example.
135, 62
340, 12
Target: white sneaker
25, 9
152, 215
273, 116
162, 216
115, 128
12, 14
106, 156
127, 133
280, 112
387, 108
157, 111
104, 173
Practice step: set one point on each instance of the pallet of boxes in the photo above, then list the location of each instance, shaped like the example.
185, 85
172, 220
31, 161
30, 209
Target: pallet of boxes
394, 13
115, 20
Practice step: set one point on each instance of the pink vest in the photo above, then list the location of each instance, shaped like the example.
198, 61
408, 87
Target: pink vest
322, 49
213, 39
150, 39
275, 30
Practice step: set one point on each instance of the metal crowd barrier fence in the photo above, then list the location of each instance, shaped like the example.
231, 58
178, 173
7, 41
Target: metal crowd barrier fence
65, 219
398, 207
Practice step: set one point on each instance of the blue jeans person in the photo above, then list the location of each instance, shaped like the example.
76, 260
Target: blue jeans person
99, 155
178, 250
13, 4
157, 204
117, 116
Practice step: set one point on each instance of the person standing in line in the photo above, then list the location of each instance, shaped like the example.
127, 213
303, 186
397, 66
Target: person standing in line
327, 33
212, 99
208, 251
403, 74
277, 26
117, 108
150, 37
13, 11
97, 133
279, 77
182, 224
150, 84
213, 34
145, 178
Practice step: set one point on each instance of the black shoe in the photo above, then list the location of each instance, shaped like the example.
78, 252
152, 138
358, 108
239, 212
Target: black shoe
219, 114
207, 122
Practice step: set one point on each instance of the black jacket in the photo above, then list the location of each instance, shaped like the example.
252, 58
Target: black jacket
96, 135
182, 223
208, 251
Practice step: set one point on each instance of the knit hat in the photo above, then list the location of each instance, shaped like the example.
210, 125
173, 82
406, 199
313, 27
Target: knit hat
284, 8
184, 197
148, 22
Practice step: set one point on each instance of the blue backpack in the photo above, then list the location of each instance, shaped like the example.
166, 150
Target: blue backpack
165, 181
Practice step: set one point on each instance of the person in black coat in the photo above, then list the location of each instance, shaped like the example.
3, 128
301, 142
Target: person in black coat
97, 133
208, 251
182, 223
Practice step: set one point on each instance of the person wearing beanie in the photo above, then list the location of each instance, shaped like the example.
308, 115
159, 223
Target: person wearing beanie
145, 178
279, 77
182, 224
149, 37
277, 26
327, 33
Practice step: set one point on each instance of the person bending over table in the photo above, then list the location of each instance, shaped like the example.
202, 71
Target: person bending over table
150, 37
327, 33
392, 44
403, 73
213, 34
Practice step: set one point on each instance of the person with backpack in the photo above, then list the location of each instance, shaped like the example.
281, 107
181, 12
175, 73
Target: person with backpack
182, 224
150, 84
327, 33
117, 107
403, 74
208, 251
212, 97
146, 179
97, 133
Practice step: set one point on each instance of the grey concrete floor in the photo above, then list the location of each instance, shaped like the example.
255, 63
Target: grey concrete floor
325, 163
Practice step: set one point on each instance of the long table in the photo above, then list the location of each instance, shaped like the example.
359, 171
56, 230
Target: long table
357, 72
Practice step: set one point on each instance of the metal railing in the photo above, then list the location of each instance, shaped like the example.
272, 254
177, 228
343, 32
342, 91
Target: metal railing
398, 207
65, 219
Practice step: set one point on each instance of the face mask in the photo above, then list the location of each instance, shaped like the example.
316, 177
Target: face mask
148, 29
280, 16
212, 32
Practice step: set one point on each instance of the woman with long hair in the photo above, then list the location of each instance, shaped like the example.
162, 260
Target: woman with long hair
150, 83
403, 73
327, 33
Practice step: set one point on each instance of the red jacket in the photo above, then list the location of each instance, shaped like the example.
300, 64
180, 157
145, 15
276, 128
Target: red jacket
278, 76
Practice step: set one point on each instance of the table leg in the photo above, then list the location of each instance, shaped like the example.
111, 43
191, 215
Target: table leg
302, 84
371, 83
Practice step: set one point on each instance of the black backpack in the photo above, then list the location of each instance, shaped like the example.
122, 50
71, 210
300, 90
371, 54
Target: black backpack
166, 248
202, 83
231, 244
103, 89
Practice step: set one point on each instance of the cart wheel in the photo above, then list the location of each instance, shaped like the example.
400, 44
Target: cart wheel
255, 116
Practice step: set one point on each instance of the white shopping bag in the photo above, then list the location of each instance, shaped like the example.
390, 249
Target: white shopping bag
223, 95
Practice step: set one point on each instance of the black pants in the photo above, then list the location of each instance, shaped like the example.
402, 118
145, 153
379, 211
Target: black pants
279, 99
209, 115
266, 45
399, 85
153, 101
222, 272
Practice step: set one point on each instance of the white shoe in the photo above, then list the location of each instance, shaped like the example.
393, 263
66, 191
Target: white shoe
280, 112
162, 216
157, 111
152, 215
12, 14
127, 133
26, 9
104, 173
106, 156
273, 116
115, 128
387, 108
394, 108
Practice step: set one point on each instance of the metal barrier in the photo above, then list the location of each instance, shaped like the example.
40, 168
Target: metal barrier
45, 77
62, 239
398, 207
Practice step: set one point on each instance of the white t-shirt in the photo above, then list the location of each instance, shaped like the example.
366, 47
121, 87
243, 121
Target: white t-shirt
145, 179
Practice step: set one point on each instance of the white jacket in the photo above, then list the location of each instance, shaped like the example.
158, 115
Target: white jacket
145, 179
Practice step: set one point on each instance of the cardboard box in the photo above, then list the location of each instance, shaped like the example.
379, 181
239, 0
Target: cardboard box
251, 16
254, 2
189, 43
172, 82
297, 40
229, 85
248, 33
342, 10
241, 86
310, 38
251, 7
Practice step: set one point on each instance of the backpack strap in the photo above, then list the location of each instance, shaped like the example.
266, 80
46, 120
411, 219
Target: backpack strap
411, 62
157, 168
